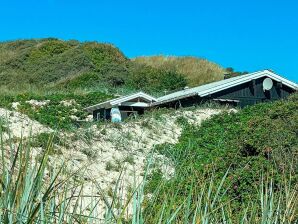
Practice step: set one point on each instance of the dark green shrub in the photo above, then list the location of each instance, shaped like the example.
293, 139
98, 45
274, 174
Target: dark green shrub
156, 80
87, 79
45, 140
259, 139
172, 81
49, 48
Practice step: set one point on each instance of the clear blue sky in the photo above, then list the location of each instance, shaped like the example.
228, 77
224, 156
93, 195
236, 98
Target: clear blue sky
245, 34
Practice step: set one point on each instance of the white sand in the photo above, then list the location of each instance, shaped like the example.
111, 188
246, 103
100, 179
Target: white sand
112, 150
113, 144
21, 125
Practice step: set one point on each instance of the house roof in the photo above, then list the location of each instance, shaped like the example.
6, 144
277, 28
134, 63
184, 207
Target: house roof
213, 87
124, 100
201, 91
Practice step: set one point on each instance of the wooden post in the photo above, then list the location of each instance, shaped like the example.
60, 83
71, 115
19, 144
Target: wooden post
253, 87
279, 89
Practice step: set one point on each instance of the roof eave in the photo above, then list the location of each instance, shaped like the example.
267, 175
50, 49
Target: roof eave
119, 100
97, 106
174, 99
248, 79
139, 94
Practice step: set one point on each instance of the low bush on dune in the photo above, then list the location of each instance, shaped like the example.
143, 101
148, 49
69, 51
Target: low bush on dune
58, 110
36, 192
132, 78
256, 143
224, 173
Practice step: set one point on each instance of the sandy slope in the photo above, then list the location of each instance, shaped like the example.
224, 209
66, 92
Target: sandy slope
126, 148
21, 125
112, 150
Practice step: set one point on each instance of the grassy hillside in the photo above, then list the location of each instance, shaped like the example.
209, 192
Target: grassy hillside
197, 71
58, 64
40, 62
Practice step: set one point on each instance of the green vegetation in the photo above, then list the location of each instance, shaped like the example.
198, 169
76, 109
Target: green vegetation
37, 193
56, 64
236, 168
44, 139
256, 143
129, 159
231, 73
197, 71
61, 110
89, 72
116, 166
3, 125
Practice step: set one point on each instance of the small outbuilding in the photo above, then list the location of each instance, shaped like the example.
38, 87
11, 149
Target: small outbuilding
241, 91
128, 105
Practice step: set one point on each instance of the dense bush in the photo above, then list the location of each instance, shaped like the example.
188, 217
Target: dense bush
230, 73
152, 79
54, 114
83, 80
256, 140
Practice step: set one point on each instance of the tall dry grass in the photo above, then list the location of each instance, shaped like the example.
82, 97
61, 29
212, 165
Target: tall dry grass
197, 71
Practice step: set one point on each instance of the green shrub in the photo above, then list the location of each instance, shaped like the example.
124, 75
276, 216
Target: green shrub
258, 139
45, 140
154, 80
3, 125
49, 48
87, 79
55, 114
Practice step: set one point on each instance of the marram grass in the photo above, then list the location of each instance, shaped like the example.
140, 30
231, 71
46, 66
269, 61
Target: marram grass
33, 192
